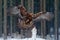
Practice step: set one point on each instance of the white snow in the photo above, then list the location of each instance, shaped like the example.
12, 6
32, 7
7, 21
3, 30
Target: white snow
34, 31
22, 39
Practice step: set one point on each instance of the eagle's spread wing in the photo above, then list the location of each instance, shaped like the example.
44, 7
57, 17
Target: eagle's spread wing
14, 10
47, 16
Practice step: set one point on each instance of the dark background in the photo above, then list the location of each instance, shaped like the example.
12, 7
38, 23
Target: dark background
49, 8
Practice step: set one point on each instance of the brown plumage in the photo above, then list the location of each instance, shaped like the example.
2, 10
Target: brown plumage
24, 12
29, 16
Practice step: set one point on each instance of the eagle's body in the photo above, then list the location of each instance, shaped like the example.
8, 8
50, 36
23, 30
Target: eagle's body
26, 19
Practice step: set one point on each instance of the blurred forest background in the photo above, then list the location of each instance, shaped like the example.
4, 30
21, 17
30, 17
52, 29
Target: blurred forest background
49, 8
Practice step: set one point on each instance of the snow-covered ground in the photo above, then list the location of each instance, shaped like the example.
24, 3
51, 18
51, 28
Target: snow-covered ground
18, 37
48, 37
22, 39
34, 37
